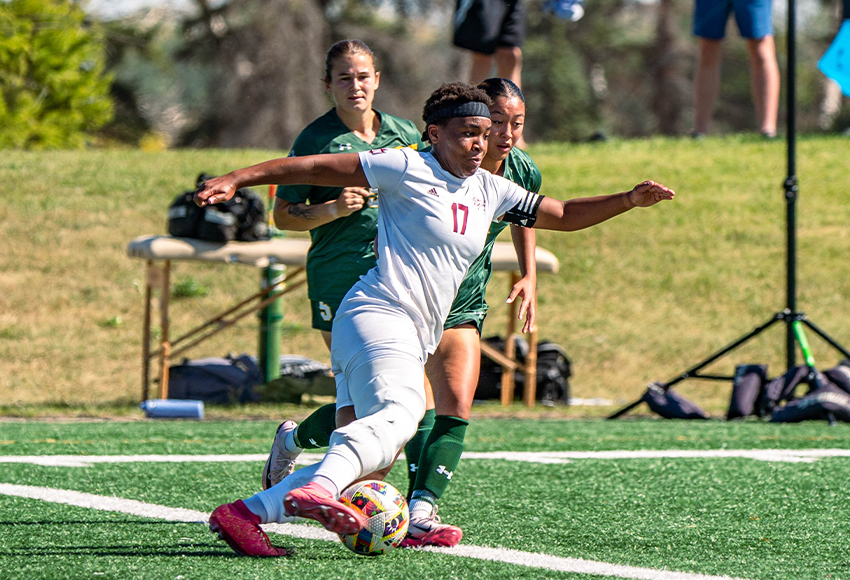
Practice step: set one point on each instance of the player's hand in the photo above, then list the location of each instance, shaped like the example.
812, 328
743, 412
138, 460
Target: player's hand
525, 287
215, 190
351, 199
649, 193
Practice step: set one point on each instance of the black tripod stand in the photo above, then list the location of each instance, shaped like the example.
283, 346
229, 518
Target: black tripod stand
790, 316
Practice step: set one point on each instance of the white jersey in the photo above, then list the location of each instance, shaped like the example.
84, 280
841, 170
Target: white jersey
431, 227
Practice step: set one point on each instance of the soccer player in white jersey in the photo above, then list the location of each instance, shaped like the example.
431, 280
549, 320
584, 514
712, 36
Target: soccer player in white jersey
435, 211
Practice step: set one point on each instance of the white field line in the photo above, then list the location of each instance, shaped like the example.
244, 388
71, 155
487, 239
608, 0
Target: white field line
312, 532
780, 455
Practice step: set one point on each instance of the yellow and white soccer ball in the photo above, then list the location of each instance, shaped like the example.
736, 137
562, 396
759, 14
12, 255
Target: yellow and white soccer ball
387, 517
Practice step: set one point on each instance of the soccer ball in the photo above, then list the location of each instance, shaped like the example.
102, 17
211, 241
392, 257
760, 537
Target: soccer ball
387, 513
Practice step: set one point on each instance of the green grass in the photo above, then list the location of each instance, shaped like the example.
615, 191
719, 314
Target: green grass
638, 299
740, 517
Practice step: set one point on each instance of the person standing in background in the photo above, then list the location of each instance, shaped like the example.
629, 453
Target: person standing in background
755, 23
494, 32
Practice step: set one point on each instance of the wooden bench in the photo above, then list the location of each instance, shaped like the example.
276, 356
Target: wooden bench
160, 251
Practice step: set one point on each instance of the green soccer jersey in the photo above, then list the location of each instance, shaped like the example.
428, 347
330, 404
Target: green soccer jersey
342, 250
469, 304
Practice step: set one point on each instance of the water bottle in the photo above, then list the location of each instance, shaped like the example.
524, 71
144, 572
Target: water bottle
173, 408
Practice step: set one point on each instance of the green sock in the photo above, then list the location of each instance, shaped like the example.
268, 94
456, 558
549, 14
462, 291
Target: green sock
440, 457
413, 449
315, 431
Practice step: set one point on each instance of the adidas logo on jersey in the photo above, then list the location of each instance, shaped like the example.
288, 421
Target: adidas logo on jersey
433, 191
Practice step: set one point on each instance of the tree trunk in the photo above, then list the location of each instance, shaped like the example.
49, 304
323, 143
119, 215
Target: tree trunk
273, 69
666, 74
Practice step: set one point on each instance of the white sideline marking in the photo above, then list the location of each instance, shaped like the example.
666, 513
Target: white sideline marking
781, 455
88, 460
310, 532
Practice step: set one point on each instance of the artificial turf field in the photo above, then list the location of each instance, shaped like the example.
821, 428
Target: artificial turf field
632, 498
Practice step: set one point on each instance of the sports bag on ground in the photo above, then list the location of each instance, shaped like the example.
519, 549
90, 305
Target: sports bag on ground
298, 376
216, 380
840, 375
828, 403
670, 404
747, 389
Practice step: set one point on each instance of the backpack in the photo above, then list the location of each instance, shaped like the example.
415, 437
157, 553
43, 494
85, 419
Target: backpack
670, 404
553, 372
747, 391
827, 403
298, 376
241, 218
184, 215
840, 375
783, 388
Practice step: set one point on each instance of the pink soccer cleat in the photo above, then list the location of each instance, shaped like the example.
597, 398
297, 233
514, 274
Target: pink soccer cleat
240, 528
428, 531
316, 503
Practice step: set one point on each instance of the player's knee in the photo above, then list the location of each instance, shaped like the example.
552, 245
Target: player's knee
392, 428
377, 438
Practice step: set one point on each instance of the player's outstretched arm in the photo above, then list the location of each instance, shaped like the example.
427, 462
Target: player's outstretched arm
576, 214
339, 169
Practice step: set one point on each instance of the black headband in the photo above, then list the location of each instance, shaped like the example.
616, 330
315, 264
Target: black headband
470, 109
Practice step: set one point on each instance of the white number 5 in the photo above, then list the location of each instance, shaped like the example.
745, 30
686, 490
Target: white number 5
325, 311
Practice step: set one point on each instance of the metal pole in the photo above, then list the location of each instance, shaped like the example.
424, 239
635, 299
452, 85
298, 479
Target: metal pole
272, 315
791, 188
270, 324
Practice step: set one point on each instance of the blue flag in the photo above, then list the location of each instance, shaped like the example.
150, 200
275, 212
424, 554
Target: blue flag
835, 63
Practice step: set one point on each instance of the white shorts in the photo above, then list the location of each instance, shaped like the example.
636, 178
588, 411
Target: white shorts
371, 339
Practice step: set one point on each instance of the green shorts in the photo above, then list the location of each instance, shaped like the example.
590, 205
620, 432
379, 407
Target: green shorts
323, 313
474, 317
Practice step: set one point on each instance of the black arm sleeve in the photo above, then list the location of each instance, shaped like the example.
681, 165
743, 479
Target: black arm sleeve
524, 213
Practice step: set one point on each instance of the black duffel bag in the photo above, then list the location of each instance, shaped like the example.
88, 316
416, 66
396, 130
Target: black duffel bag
222, 380
242, 218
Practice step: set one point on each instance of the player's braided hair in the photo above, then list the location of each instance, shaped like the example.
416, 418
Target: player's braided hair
345, 48
501, 88
456, 93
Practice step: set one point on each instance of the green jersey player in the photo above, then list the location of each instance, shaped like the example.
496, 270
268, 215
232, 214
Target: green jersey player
341, 220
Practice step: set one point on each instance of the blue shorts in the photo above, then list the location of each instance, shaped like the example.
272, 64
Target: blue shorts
753, 17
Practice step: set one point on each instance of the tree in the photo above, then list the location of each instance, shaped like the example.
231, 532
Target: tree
52, 81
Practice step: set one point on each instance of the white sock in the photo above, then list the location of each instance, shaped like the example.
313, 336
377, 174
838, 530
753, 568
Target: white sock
272, 498
337, 470
420, 508
326, 483
255, 505
289, 443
